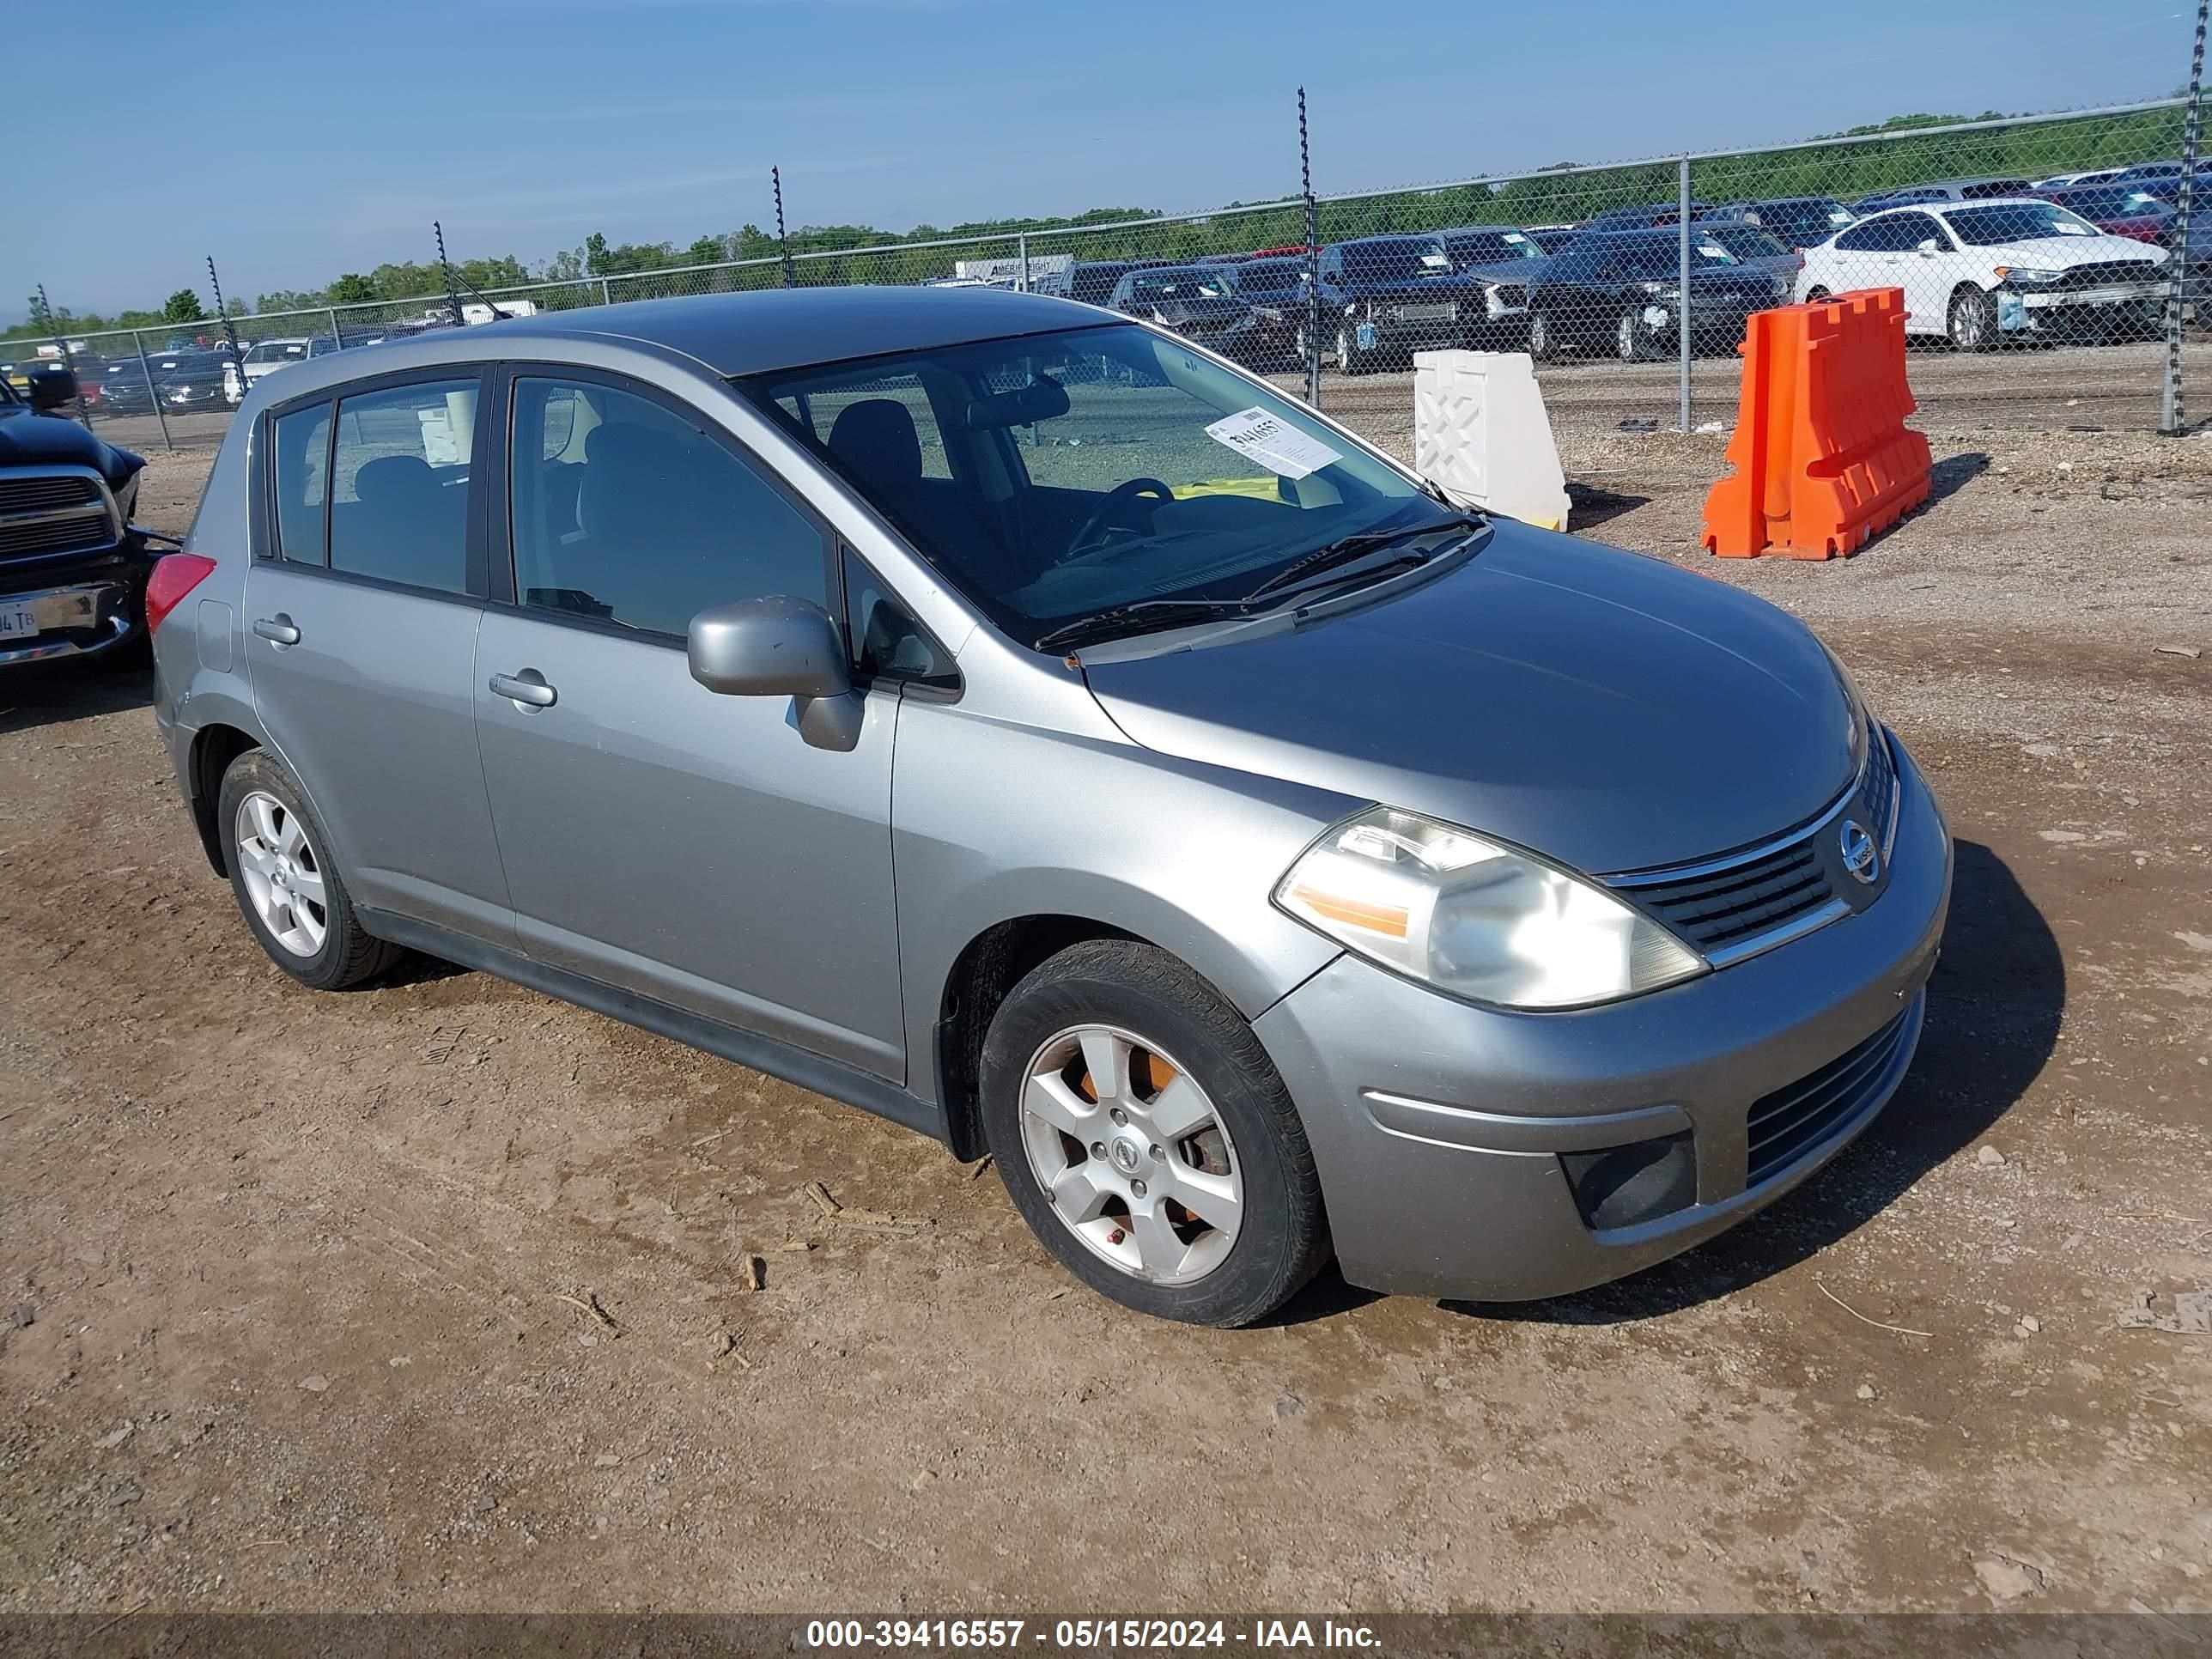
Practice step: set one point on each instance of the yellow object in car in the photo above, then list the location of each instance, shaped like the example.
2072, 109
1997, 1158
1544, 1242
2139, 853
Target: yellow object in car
1267, 490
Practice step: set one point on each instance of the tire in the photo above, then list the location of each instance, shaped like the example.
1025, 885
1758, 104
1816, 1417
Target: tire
1816, 296
1631, 339
323, 945
1138, 1009
1543, 338
1350, 359
1971, 321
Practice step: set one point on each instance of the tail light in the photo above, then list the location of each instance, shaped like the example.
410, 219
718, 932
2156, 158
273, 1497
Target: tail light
174, 575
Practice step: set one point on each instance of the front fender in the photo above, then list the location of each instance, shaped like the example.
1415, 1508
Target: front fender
993, 823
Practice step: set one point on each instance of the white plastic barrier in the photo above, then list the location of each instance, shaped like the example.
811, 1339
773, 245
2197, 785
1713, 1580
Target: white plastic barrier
1479, 430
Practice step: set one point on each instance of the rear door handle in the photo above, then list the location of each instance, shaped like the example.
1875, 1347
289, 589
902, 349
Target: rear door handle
528, 688
277, 630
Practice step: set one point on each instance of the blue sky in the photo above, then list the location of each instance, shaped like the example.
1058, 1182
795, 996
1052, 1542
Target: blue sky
296, 142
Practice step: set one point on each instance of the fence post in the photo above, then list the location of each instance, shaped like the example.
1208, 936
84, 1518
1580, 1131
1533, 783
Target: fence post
69, 359
1022, 252
153, 397
2174, 419
338, 340
1682, 333
606, 294
783, 247
1313, 260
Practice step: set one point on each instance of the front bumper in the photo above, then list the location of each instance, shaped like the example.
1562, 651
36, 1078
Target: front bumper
2028, 310
1439, 1128
80, 618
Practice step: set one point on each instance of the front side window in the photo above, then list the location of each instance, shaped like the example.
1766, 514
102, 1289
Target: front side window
399, 504
624, 511
302, 454
1097, 468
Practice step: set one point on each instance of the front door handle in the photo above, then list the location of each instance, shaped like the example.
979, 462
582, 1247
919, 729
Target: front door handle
277, 630
528, 688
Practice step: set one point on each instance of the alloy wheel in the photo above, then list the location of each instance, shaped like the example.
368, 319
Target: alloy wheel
1131, 1154
282, 876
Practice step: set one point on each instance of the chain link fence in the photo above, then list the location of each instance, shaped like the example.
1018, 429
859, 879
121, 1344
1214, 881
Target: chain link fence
2054, 269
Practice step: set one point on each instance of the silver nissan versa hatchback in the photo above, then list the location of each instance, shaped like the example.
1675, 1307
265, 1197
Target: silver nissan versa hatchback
1010, 719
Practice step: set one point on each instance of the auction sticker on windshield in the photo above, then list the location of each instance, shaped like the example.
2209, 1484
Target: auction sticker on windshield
1281, 449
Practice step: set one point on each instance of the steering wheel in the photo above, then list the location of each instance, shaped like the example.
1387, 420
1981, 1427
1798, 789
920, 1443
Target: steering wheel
1081, 544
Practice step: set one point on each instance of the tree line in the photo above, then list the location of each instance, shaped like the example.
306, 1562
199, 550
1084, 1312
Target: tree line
1561, 194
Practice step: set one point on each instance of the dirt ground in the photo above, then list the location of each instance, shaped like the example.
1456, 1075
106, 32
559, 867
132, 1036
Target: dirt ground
305, 1289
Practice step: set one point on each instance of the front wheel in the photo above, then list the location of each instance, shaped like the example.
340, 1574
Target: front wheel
1632, 338
1144, 1134
1350, 358
1543, 338
1973, 320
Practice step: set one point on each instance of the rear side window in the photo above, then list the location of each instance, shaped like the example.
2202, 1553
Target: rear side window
639, 517
302, 449
400, 507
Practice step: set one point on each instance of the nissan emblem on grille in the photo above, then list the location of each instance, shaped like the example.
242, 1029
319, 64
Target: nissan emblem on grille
1861, 856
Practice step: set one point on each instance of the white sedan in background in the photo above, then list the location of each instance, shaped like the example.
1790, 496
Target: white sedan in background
2016, 267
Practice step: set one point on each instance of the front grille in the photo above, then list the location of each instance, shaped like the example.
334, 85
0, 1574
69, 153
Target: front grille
40, 494
1783, 1127
1731, 908
2105, 274
50, 535
1879, 790
1722, 908
1429, 313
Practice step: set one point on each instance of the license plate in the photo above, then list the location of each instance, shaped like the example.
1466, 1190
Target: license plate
1425, 313
18, 622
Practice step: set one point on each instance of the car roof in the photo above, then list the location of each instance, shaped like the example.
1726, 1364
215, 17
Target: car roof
791, 328
1478, 230
1390, 236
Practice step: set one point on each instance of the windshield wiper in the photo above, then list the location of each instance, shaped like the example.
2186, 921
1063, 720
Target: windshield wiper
1138, 616
1346, 548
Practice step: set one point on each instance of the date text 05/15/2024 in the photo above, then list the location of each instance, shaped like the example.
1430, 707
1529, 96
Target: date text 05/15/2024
1167, 1635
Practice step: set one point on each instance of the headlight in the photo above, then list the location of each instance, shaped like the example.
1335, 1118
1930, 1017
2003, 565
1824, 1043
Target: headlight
2027, 274
1469, 917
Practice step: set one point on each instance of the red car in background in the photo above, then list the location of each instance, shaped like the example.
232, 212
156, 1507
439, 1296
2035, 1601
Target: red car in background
2127, 211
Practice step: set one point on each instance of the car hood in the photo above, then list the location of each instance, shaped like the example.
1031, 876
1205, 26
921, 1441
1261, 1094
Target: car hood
29, 438
1597, 707
2061, 252
1452, 284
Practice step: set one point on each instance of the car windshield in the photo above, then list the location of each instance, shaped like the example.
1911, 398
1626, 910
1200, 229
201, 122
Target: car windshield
1395, 261
1652, 258
1055, 477
2017, 221
1489, 247
1264, 278
277, 351
1152, 286
2116, 201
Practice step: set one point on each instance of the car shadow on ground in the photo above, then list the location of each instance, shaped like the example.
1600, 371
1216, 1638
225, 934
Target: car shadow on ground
1994, 1009
1592, 505
55, 693
1954, 473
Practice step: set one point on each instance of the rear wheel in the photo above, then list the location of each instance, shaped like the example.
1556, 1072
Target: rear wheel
1543, 338
1973, 320
1143, 1134
287, 885
1816, 296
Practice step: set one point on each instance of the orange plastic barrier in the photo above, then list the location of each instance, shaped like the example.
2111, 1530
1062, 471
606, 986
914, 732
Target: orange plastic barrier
1822, 457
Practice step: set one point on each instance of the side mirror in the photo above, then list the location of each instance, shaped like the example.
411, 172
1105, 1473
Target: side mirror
779, 646
53, 384
1928, 246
